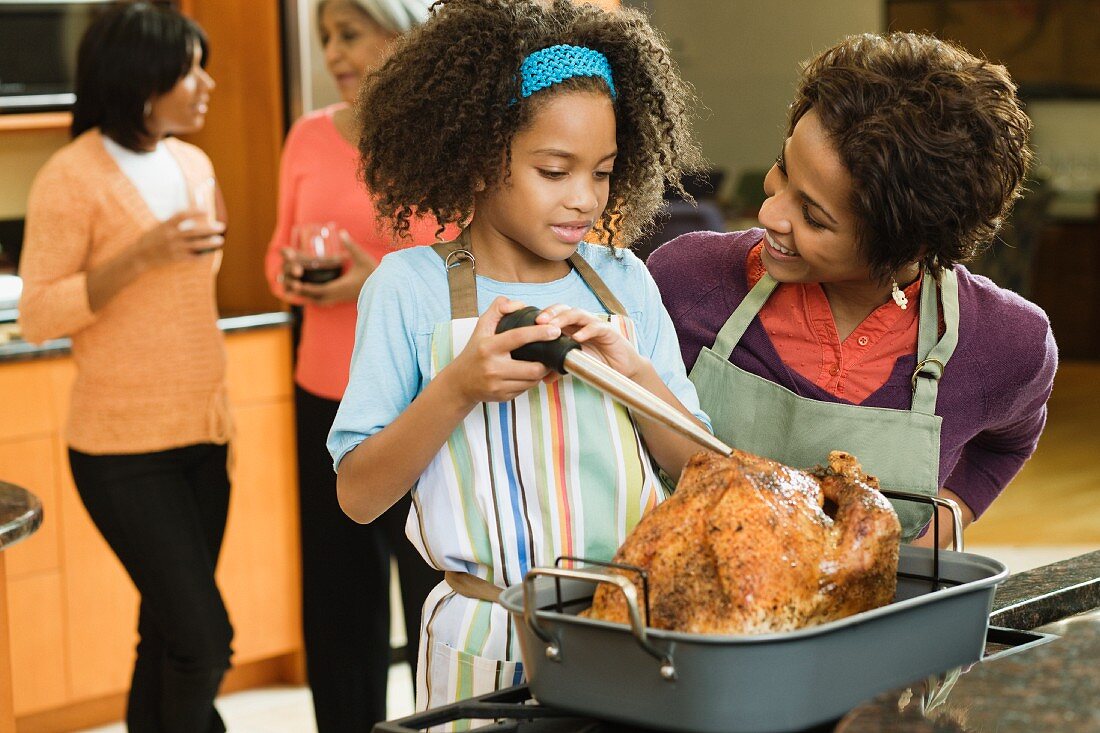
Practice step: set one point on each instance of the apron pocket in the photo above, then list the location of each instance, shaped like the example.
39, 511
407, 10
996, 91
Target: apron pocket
457, 675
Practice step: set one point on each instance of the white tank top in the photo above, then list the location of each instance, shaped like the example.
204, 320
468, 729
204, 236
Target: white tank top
157, 176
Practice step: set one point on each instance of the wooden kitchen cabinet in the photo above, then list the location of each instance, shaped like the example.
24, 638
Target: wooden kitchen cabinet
72, 609
1066, 284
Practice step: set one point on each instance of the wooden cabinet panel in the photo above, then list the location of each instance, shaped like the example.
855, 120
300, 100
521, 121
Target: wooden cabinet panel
30, 463
37, 642
243, 136
1066, 284
259, 366
28, 408
258, 568
100, 604
72, 608
7, 711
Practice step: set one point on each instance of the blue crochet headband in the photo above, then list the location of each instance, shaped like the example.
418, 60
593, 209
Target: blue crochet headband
555, 64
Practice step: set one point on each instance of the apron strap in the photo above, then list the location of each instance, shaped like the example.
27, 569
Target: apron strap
596, 284
738, 323
932, 356
460, 263
471, 586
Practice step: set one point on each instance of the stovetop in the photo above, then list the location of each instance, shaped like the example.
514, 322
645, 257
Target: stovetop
515, 711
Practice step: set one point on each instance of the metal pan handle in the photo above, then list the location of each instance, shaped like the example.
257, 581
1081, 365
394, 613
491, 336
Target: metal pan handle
629, 591
936, 501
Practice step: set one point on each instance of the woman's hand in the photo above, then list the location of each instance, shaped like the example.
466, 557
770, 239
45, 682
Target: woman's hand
341, 290
184, 236
485, 370
597, 336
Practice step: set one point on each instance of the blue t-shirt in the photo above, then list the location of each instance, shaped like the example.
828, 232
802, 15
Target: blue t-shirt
407, 296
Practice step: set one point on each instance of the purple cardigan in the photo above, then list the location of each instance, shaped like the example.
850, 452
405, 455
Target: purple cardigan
992, 396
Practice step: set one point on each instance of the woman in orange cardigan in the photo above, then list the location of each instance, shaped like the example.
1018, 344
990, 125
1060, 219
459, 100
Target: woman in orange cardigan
120, 254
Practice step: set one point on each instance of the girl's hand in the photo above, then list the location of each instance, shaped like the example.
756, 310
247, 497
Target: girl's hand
597, 336
341, 290
186, 235
485, 370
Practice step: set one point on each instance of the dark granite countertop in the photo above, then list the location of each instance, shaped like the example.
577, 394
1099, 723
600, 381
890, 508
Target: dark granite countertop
20, 514
19, 350
1053, 686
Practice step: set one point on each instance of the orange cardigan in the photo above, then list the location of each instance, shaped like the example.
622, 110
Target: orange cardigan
151, 363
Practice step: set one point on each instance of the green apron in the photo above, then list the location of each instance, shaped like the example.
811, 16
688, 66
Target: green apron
900, 447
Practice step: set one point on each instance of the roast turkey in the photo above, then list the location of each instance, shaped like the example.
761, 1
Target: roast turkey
747, 545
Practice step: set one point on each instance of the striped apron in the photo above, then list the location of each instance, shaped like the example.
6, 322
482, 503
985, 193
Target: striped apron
559, 470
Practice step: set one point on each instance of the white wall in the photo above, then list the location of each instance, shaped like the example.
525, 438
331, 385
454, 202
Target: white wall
743, 58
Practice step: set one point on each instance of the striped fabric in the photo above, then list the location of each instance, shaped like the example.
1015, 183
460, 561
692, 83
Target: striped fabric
560, 470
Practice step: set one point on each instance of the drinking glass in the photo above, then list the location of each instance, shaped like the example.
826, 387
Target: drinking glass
320, 252
204, 198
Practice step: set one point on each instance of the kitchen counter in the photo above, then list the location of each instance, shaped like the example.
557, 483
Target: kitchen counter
20, 350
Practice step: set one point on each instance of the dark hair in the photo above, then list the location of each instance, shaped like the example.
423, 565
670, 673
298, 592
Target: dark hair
128, 55
438, 118
935, 140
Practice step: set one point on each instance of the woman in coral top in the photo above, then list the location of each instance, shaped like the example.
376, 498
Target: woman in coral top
121, 254
345, 566
848, 321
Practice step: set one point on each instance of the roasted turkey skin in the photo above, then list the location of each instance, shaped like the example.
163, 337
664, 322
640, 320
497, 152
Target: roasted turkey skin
747, 545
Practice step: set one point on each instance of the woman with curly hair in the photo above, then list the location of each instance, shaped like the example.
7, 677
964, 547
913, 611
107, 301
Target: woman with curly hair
530, 124
847, 321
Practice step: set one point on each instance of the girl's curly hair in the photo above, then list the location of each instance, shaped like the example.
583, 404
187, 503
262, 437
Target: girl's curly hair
934, 137
438, 118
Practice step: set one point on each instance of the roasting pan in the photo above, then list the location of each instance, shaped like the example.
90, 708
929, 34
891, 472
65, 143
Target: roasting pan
747, 684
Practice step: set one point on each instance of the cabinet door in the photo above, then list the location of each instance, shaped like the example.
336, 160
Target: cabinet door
28, 403
100, 603
259, 368
258, 568
29, 463
37, 643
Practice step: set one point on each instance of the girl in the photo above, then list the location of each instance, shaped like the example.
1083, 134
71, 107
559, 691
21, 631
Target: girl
345, 566
533, 124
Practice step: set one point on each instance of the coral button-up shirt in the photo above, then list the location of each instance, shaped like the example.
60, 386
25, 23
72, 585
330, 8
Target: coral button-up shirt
800, 324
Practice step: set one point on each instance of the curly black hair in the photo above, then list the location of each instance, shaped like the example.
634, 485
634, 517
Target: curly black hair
934, 137
438, 118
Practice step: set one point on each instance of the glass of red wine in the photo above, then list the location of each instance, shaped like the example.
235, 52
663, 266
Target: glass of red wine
320, 252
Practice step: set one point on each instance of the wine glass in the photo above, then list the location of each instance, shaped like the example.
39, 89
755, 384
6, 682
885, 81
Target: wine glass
204, 198
320, 252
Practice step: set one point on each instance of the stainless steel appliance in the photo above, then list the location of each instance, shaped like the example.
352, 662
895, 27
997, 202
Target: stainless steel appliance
38, 45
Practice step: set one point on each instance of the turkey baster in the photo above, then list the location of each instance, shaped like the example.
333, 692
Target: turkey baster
564, 355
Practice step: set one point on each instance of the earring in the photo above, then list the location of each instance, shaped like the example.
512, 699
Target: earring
148, 108
898, 295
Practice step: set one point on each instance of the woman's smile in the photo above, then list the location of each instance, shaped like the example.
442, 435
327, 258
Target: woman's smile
775, 249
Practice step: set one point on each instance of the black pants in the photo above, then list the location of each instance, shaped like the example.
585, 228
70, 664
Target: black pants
164, 514
345, 586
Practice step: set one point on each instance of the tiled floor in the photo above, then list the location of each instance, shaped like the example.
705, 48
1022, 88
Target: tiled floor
288, 709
